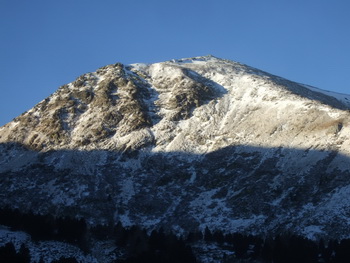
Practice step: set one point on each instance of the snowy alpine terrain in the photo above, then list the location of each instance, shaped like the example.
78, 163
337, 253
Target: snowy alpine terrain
184, 145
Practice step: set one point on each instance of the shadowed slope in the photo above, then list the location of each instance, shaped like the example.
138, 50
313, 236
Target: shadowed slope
241, 188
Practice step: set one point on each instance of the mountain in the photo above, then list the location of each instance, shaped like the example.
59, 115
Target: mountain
184, 144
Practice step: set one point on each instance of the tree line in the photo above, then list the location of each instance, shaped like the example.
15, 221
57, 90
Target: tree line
158, 246
46, 227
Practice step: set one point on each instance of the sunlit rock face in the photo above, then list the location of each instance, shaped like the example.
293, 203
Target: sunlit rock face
184, 144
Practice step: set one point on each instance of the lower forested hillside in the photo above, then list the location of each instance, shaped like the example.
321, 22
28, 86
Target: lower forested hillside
134, 244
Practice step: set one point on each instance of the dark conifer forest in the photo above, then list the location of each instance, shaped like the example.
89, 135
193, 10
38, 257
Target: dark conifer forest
159, 246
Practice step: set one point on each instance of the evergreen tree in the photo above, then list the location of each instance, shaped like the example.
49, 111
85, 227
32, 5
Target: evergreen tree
8, 253
120, 234
240, 244
23, 254
267, 250
65, 260
218, 236
342, 252
208, 236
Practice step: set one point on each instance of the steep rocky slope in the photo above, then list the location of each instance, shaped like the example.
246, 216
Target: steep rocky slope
184, 144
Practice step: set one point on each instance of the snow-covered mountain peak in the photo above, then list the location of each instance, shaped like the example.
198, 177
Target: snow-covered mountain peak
195, 104
186, 144
199, 59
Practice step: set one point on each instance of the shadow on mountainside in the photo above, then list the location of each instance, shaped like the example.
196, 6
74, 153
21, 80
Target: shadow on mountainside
238, 188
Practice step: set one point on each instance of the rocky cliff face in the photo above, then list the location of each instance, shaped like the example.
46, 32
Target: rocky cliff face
184, 144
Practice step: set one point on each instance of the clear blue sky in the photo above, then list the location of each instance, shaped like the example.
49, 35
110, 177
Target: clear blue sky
46, 43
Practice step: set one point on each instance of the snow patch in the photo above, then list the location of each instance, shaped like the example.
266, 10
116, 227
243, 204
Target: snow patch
344, 98
312, 232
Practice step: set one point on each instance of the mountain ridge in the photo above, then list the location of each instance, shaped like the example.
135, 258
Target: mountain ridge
118, 100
